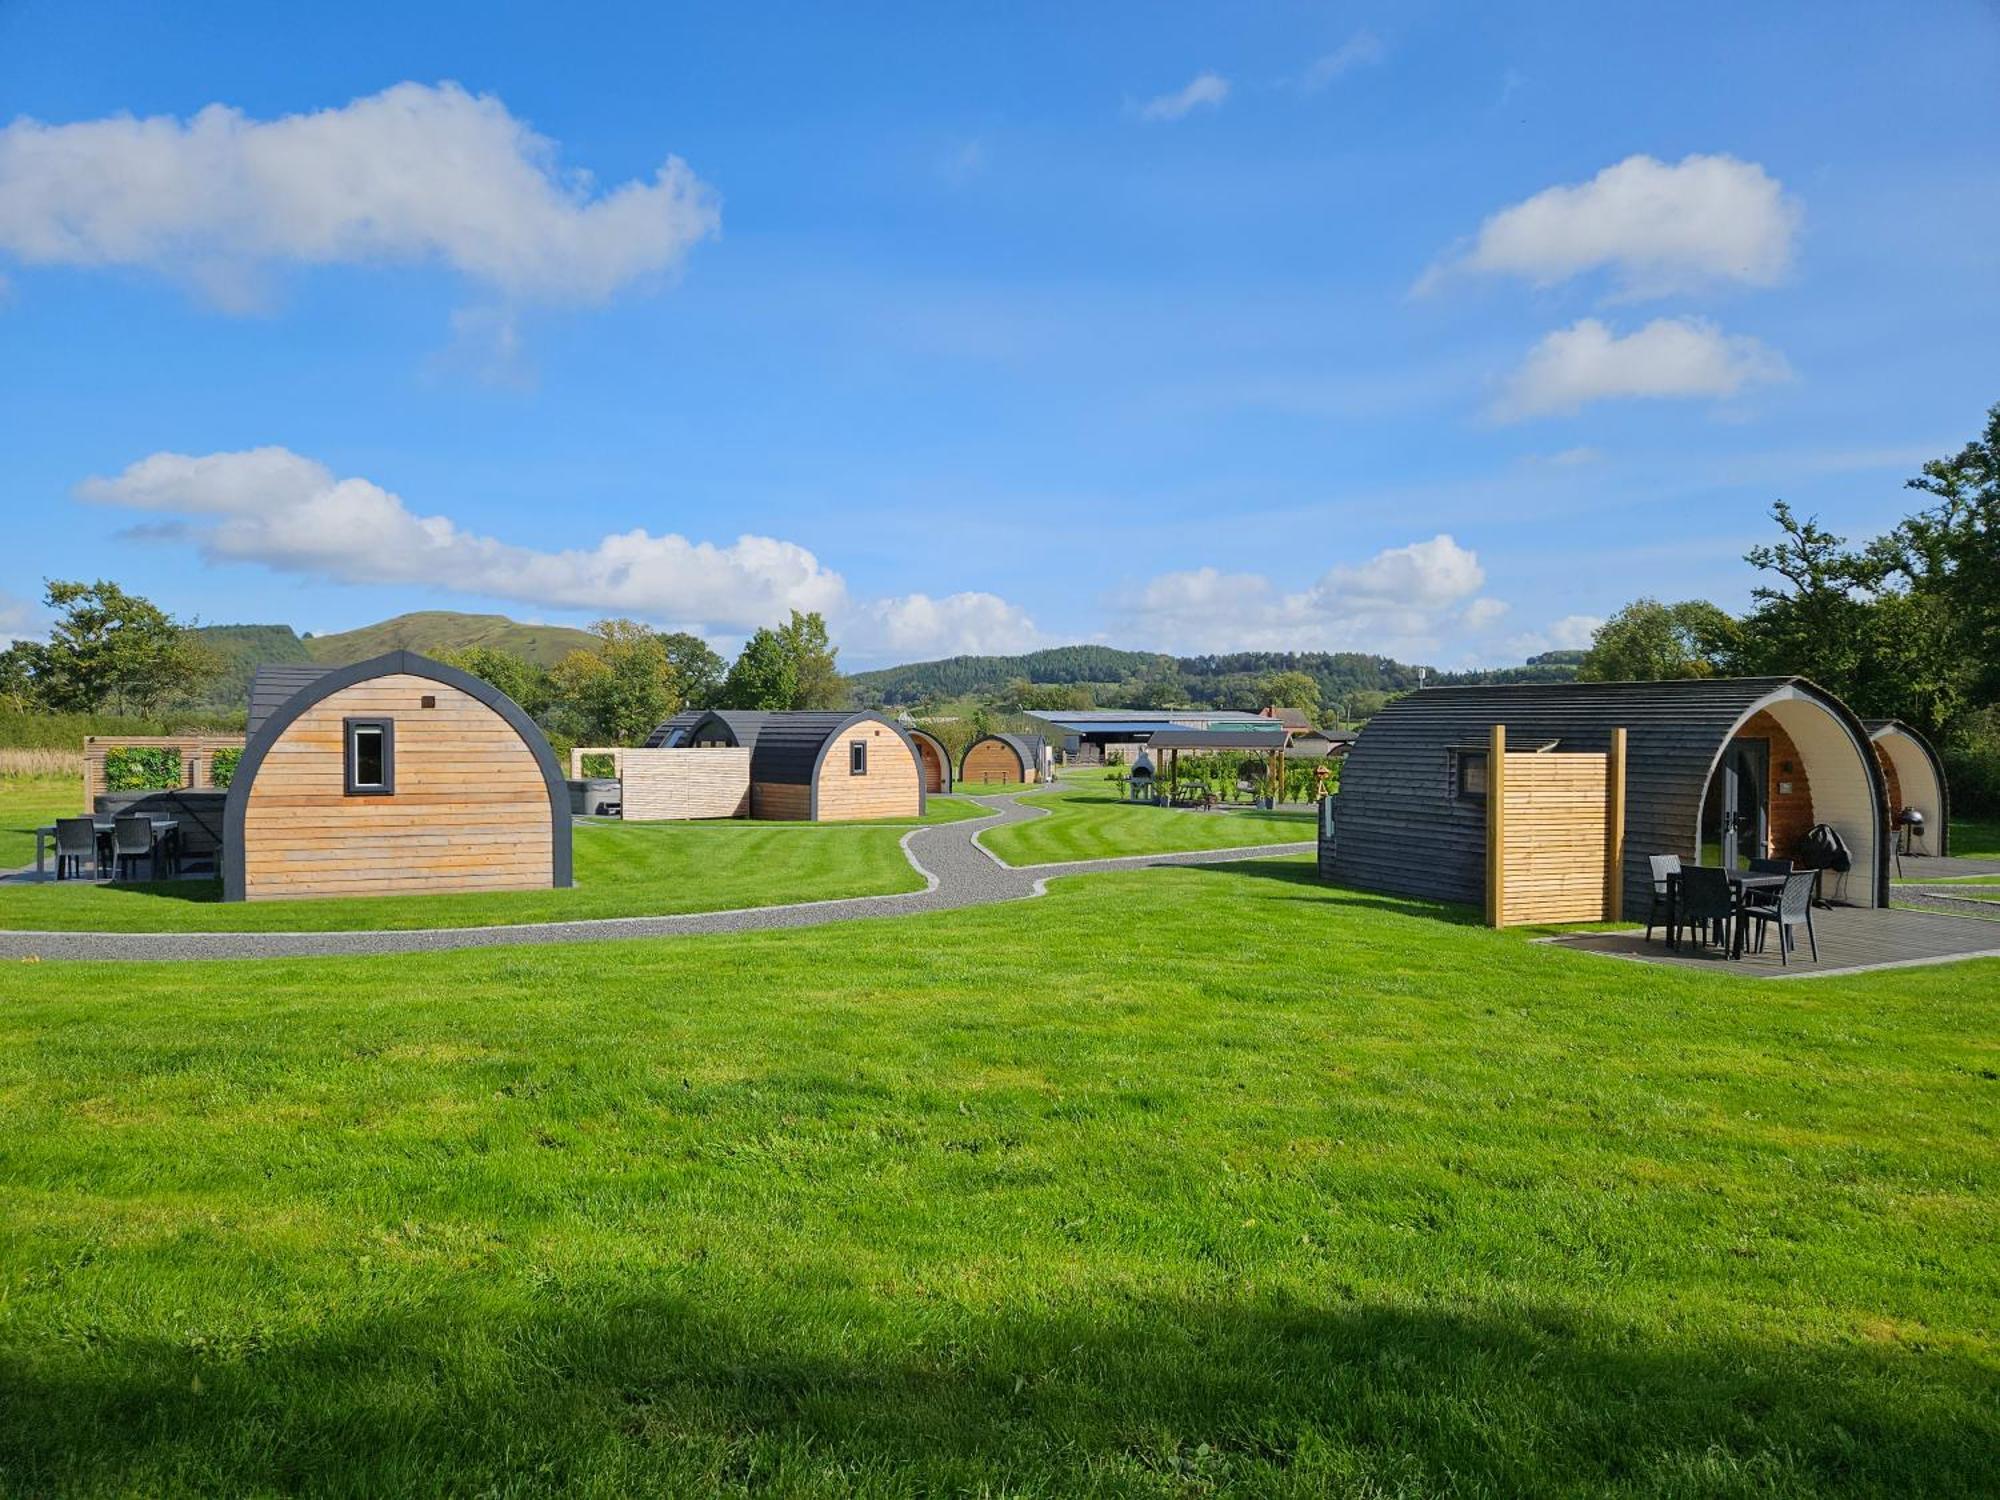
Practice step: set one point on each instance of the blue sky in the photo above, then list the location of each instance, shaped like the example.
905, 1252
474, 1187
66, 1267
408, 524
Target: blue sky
1441, 331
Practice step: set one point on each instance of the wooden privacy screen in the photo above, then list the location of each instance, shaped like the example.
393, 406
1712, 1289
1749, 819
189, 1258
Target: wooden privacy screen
663, 785
1555, 833
197, 753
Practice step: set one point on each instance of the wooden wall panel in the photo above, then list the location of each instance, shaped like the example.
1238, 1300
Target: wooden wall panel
781, 801
659, 785
470, 810
893, 787
1555, 812
994, 761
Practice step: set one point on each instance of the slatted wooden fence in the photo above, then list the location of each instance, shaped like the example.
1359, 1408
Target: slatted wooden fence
664, 785
1555, 833
197, 752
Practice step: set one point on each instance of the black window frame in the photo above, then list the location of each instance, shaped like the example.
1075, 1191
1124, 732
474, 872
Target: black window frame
348, 726
1459, 759
857, 757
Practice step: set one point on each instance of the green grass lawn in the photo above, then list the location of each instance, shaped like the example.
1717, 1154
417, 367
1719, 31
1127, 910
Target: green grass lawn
1975, 838
28, 803
622, 870
1088, 820
1285, 1191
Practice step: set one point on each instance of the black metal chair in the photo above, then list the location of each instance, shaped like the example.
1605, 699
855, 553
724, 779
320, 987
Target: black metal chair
1661, 910
1707, 905
76, 845
131, 841
1766, 867
1792, 909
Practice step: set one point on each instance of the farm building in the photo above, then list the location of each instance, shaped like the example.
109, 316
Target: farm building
1717, 769
1915, 777
394, 775
932, 758
1002, 758
1090, 736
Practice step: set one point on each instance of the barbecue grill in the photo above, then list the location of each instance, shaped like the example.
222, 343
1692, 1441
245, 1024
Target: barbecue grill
1140, 787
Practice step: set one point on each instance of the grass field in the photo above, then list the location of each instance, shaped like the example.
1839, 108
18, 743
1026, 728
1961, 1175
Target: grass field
1088, 820
28, 803
1286, 1191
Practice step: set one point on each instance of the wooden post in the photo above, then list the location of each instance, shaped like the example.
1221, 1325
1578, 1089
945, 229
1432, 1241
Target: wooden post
1614, 829
576, 763
1496, 826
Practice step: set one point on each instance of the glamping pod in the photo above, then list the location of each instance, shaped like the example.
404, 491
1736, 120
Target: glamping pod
1002, 758
672, 734
833, 766
735, 728
394, 775
932, 759
1713, 769
1916, 784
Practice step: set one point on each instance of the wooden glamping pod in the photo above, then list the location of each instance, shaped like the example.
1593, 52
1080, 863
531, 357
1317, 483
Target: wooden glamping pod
831, 767
394, 775
932, 759
1002, 759
1716, 769
1915, 777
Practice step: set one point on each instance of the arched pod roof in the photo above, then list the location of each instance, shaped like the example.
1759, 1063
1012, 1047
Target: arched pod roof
1398, 828
1905, 745
1027, 749
925, 737
791, 747
671, 734
274, 718
739, 726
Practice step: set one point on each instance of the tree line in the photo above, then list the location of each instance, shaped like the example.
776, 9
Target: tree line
1905, 625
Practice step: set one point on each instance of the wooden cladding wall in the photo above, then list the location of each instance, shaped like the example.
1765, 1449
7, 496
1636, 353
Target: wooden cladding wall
659, 785
197, 753
993, 761
1789, 792
470, 810
1554, 829
892, 787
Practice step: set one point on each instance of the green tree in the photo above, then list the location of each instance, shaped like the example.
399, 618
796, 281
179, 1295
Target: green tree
1291, 690
816, 679
1648, 641
112, 649
618, 691
764, 675
697, 670
528, 683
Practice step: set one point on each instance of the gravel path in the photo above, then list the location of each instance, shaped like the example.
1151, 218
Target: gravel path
958, 871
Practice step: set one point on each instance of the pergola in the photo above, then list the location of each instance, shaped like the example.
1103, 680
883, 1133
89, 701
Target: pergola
1269, 743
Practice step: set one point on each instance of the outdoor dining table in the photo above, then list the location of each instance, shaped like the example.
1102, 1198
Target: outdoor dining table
1743, 882
163, 829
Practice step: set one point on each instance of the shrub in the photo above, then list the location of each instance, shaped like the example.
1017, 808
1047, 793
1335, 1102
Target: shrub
601, 767
1972, 766
143, 768
222, 766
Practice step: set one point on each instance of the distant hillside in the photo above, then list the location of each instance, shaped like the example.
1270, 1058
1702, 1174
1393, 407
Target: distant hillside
434, 630
1128, 678
244, 648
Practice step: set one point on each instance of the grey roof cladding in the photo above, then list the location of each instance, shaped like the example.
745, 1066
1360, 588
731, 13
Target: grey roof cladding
270, 686
741, 725
670, 733
1398, 828
789, 745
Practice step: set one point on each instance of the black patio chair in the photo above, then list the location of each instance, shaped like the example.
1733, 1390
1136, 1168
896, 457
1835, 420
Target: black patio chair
1793, 909
1766, 867
1707, 905
76, 845
1661, 910
131, 841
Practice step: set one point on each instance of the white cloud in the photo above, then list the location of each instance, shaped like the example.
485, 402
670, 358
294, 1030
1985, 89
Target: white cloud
1669, 357
412, 174
969, 624
274, 508
1205, 90
1363, 49
1401, 601
1662, 228
1570, 633
17, 619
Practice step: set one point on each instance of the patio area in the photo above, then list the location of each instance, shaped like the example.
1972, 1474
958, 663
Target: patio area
1852, 940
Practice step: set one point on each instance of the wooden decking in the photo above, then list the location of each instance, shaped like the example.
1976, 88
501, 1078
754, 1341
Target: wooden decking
1852, 940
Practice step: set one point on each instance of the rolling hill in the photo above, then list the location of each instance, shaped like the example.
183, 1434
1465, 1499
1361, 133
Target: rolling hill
244, 648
